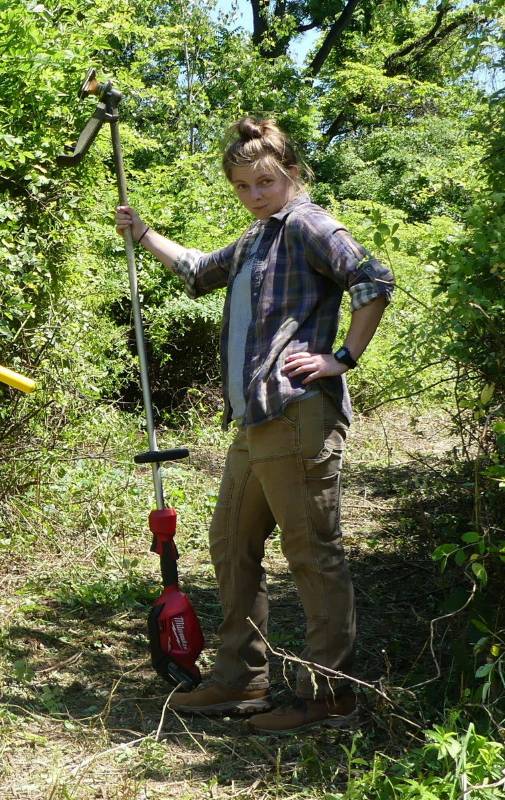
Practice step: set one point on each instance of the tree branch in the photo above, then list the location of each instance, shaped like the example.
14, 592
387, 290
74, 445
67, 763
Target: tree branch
394, 64
338, 121
442, 10
332, 36
307, 27
260, 24
410, 394
262, 19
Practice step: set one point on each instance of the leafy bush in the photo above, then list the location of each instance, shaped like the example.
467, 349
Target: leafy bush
452, 762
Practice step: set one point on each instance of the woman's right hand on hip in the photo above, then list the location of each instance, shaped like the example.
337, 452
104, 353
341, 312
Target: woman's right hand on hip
127, 217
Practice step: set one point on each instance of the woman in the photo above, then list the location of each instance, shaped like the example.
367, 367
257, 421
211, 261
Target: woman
287, 395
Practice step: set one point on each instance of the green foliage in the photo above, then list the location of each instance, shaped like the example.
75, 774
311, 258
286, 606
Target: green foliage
185, 77
40, 59
452, 761
471, 292
472, 274
400, 362
423, 168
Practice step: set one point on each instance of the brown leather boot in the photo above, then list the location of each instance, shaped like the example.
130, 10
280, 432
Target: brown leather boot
214, 699
340, 712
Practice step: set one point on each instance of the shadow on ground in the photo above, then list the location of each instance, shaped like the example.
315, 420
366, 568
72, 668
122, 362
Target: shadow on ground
85, 656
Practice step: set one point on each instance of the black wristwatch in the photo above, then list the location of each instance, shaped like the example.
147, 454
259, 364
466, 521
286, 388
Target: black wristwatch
345, 357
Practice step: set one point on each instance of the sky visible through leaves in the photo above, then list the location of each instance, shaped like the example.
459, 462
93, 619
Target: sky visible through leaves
299, 47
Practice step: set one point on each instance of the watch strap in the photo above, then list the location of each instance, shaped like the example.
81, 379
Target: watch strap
343, 355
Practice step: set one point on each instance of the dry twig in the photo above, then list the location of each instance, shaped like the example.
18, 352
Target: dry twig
319, 669
467, 789
432, 636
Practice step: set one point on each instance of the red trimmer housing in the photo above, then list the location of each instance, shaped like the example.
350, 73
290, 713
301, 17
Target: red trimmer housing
175, 634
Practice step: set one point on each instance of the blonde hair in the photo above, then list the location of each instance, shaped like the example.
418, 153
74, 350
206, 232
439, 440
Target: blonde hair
250, 142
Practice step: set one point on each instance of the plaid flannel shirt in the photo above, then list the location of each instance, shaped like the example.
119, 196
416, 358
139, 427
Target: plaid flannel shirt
305, 261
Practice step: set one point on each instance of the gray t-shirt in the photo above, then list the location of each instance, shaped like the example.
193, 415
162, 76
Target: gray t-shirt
240, 319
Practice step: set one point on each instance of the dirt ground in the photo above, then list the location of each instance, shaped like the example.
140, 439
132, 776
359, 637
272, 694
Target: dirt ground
83, 713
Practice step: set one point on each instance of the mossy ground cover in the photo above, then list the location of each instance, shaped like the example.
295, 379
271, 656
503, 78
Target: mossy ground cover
83, 714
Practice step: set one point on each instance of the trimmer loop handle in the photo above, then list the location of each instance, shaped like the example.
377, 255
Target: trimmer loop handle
157, 456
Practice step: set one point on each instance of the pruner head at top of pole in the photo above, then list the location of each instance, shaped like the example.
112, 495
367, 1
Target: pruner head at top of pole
106, 111
104, 91
91, 85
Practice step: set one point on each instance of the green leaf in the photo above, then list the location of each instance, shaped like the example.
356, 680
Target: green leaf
487, 393
22, 670
485, 690
497, 472
471, 536
484, 670
480, 572
444, 550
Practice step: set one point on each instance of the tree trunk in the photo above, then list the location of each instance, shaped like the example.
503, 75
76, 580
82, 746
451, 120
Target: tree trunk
332, 36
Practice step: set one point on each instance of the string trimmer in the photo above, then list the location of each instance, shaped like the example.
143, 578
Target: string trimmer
175, 636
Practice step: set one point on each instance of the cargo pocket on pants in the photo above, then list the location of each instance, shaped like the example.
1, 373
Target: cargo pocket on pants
322, 482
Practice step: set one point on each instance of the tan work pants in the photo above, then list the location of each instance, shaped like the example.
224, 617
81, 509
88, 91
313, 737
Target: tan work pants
286, 472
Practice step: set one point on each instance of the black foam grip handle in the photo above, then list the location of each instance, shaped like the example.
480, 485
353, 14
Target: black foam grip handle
157, 456
168, 564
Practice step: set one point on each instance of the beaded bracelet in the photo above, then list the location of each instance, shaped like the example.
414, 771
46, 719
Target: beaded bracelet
141, 237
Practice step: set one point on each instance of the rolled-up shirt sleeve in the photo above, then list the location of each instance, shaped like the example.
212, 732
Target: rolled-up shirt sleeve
331, 250
364, 292
204, 272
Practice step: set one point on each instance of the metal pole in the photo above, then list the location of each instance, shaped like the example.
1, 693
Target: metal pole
137, 314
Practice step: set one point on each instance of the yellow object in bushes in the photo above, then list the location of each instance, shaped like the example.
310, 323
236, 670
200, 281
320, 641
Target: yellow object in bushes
16, 380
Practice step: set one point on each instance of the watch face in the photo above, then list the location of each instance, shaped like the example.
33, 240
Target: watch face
345, 357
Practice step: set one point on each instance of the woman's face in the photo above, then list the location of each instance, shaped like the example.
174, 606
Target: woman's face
263, 190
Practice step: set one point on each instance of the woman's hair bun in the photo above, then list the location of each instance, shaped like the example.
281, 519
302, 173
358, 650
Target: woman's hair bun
251, 140
248, 128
